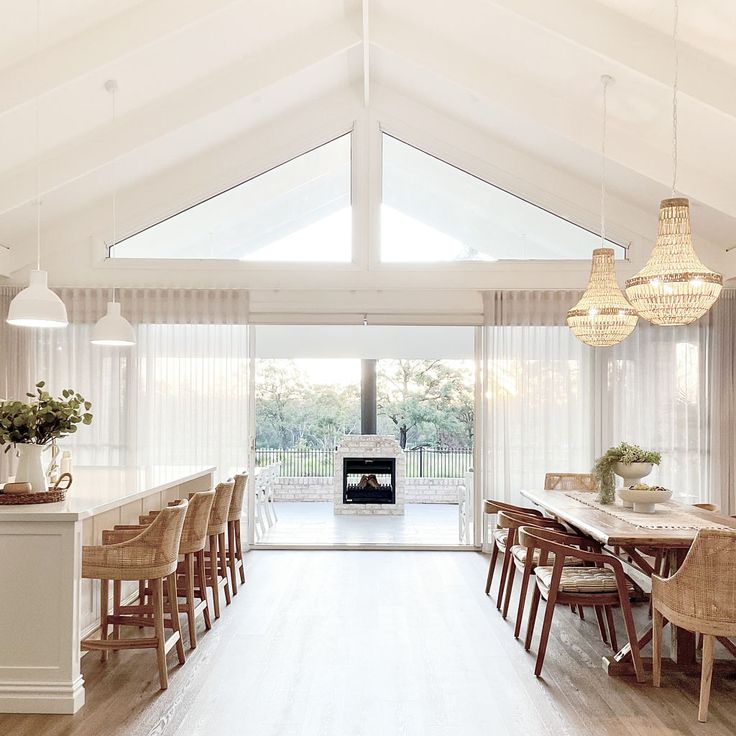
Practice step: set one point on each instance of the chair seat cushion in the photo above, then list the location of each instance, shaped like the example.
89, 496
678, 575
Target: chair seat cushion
581, 580
519, 551
500, 536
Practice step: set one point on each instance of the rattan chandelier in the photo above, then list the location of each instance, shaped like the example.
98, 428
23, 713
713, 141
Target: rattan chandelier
674, 287
602, 317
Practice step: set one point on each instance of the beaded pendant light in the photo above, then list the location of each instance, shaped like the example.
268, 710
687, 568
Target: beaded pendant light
602, 317
674, 287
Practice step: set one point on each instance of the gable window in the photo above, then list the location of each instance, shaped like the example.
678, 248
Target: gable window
432, 211
299, 211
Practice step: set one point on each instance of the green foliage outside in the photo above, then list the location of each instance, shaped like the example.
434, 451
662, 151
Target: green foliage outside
423, 403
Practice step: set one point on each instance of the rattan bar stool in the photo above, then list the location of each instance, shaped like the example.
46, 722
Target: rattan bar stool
190, 570
216, 555
234, 544
151, 555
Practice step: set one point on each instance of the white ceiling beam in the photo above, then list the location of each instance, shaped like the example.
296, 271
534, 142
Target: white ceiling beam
246, 77
119, 36
646, 51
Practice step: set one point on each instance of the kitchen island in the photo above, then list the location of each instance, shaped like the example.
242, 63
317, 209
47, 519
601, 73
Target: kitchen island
46, 607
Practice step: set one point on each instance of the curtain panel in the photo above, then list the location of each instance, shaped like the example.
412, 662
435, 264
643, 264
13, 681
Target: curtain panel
553, 404
177, 397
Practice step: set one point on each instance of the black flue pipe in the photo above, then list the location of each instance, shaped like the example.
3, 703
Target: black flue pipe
368, 405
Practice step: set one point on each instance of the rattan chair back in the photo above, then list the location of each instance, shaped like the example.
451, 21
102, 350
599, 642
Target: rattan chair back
570, 482
194, 534
236, 502
151, 554
220, 508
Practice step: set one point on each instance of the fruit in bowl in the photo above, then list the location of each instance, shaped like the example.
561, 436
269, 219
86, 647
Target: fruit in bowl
644, 498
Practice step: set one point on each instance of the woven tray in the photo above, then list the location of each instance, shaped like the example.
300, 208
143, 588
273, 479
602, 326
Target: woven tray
13, 499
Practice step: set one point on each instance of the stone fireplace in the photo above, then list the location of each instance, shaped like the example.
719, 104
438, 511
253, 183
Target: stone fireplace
370, 476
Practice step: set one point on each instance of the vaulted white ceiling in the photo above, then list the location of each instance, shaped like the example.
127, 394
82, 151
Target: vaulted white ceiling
211, 91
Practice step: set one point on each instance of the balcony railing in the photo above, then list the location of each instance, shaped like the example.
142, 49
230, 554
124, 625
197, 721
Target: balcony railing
421, 462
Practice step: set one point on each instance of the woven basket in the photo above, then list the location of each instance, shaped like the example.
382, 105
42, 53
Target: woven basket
13, 499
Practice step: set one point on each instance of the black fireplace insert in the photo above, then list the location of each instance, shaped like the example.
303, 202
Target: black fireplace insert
369, 480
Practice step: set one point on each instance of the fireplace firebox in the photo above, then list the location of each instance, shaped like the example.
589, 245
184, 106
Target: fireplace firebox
369, 480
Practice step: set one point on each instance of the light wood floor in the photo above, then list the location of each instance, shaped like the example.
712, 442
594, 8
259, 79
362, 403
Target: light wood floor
316, 523
377, 644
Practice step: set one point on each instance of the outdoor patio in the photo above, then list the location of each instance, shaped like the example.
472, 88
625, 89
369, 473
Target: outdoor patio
307, 523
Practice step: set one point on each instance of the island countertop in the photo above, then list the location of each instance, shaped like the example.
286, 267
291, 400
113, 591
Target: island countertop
96, 489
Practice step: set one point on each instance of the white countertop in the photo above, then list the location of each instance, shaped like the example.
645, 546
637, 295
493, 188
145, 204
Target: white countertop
98, 489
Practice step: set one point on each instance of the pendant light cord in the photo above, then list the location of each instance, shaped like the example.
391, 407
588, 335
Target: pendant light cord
606, 81
38, 135
675, 23
112, 87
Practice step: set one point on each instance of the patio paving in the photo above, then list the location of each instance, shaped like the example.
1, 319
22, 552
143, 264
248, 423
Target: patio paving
315, 523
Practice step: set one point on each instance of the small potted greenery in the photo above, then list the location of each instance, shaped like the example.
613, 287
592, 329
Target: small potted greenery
33, 425
631, 462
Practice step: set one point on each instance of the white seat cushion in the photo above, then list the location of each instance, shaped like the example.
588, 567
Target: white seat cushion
519, 551
581, 580
501, 535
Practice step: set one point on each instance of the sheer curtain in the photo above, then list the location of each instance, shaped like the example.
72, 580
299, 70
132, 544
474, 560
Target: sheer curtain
178, 397
539, 392
554, 404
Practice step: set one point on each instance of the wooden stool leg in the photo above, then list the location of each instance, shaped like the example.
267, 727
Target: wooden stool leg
502, 581
158, 624
189, 581
213, 575
174, 613
202, 580
239, 551
491, 567
522, 596
581, 613
532, 618
509, 585
705, 677
231, 555
116, 596
104, 603
223, 566
656, 647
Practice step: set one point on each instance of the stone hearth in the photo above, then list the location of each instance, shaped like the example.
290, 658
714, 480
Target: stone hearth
370, 446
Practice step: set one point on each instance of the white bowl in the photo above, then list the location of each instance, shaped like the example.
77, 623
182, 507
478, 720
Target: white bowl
644, 501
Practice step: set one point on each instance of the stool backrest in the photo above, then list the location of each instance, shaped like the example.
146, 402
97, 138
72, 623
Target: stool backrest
164, 534
570, 482
220, 508
236, 502
194, 534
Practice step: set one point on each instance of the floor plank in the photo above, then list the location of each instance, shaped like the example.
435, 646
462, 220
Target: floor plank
378, 643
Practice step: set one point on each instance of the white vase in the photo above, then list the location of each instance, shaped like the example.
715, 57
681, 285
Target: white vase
632, 473
30, 467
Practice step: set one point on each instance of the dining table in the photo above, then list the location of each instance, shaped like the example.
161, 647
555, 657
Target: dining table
641, 540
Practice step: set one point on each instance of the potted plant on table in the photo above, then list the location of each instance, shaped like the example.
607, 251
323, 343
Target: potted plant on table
631, 462
31, 426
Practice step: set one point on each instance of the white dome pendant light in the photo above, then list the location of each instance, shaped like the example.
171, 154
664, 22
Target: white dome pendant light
113, 329
674, 287
37, 305
602, 317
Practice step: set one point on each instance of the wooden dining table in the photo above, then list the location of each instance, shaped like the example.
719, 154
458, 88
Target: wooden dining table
636, 543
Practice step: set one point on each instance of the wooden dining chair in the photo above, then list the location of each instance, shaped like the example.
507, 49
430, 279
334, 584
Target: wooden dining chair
699, 597
498, 538
707, 507
150, 555
570, 482
601, 581
519, 559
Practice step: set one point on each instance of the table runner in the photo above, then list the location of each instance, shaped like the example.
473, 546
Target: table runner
668, 515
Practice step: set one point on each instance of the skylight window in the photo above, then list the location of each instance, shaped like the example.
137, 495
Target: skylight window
299, 211
434, 212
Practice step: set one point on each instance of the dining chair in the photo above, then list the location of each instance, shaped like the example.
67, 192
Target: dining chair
599, 582
520, 559
707, 507
498, 538
190, 570
699, 597
150, 555
570, 482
